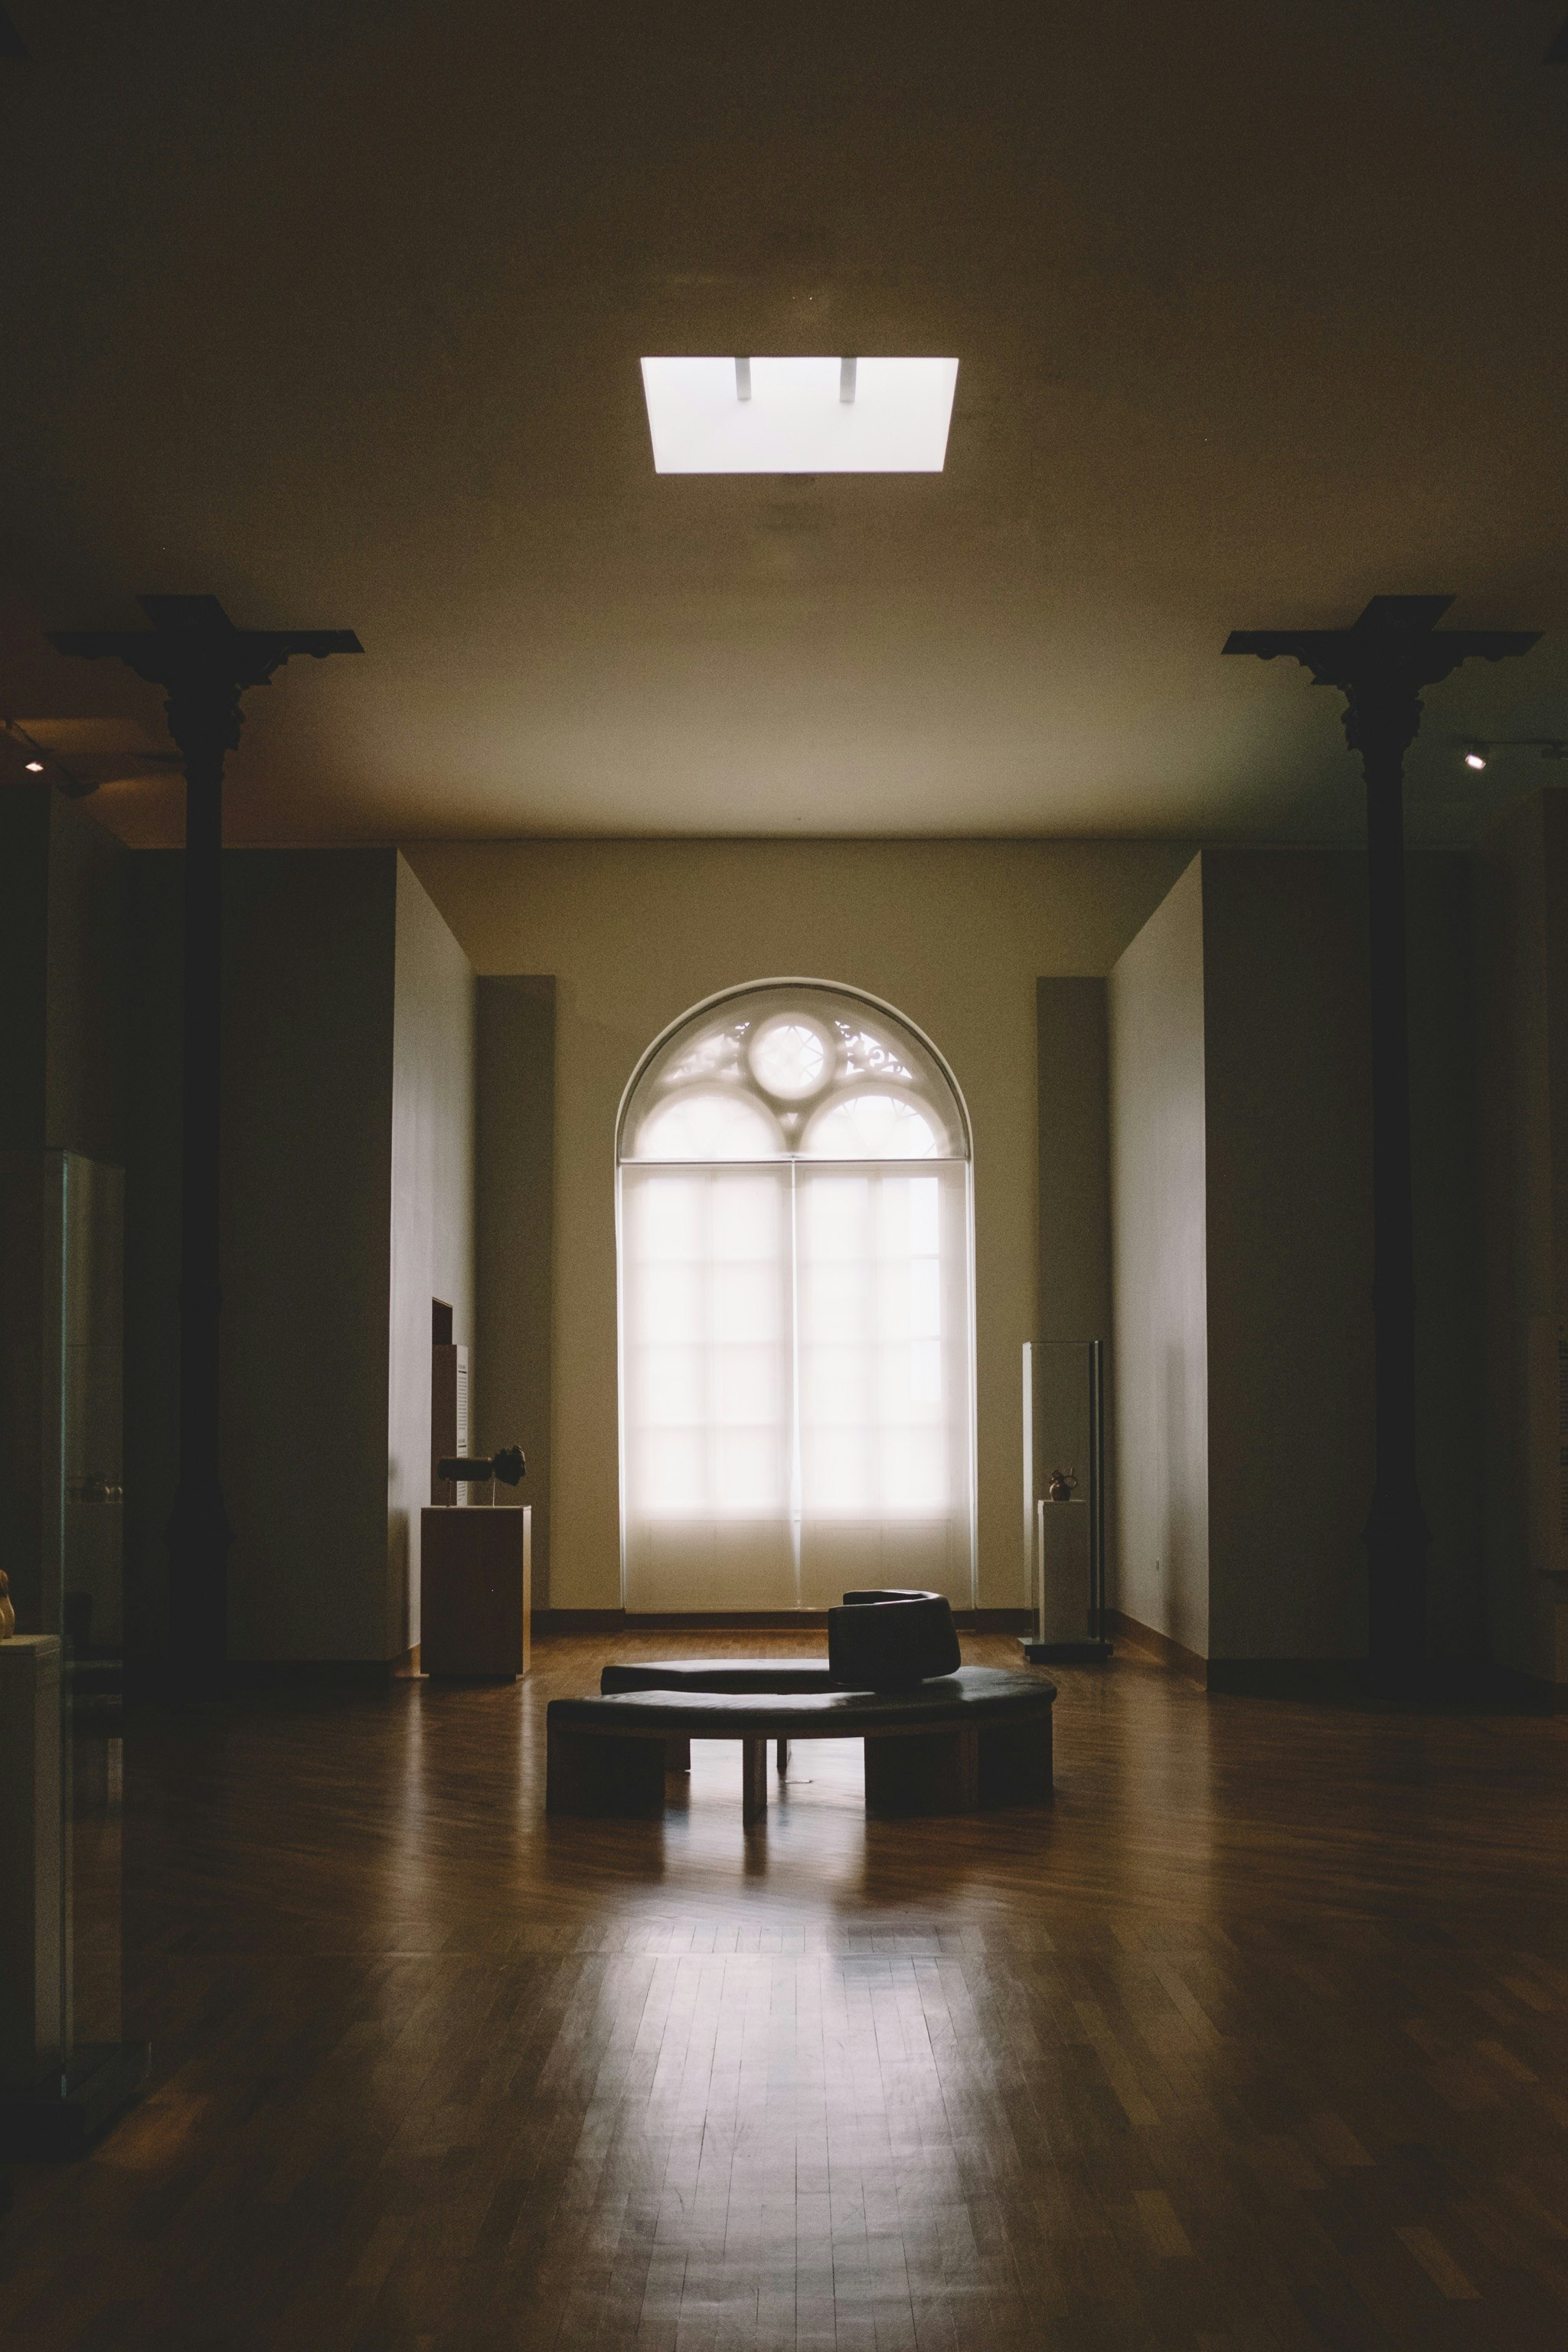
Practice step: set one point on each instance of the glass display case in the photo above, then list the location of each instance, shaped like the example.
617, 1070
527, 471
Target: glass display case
1064, 1500
64, 1282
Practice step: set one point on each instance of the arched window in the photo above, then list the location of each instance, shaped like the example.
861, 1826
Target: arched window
795, 1308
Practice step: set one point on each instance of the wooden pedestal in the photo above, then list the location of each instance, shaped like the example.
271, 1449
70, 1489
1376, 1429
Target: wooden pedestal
964, 1770
475, 1602
586, 1772
1013, 1763
924, 1772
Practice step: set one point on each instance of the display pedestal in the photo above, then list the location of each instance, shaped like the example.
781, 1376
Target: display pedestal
58, 2122
1054, 1641
1065, 1653
476, 1598
1064, 1502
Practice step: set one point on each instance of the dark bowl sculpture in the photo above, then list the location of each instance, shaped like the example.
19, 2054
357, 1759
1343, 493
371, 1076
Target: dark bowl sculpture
891, 1641
479, 1469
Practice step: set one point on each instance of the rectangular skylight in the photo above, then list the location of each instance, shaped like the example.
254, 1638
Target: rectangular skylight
799, 416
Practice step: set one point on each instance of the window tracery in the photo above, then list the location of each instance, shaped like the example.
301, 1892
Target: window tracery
806, 1070
796, 1315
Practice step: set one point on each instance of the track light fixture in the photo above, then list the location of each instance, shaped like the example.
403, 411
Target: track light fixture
1477, 750
38, 760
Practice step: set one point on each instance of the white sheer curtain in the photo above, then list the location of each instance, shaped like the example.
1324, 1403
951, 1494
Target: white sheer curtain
882, 1348
796, 1315
706, 1379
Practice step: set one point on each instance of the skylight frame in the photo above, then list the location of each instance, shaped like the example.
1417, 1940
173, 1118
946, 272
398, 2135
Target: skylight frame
799, 416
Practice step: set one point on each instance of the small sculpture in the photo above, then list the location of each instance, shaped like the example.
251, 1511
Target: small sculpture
7, 1607
508, 1465
1060, 1489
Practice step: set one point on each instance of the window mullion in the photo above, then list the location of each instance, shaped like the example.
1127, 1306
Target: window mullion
794, 1466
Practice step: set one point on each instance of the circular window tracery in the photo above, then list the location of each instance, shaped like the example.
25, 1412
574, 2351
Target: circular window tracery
792, 1068
791, 1057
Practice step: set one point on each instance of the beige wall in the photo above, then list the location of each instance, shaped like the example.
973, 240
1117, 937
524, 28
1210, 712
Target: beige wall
1447, 1045
346, 1204
306, 1206
84, 1070
1288, 1190
953, 934
1523, 978
1241, 1187
1159, 1536
514, 1223
25, 863
62, 999
432, 1217
1074, 1157
62, 944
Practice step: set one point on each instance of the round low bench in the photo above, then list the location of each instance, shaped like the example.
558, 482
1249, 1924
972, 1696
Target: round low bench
720, 1674
975, 1738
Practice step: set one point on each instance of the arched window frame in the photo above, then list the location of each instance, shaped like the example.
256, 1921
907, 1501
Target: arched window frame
882, 1054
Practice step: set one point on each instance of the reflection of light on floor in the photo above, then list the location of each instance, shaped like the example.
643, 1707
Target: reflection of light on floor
1150, 1795
409, 1895
1106, 2071
798, 2013
810, 1848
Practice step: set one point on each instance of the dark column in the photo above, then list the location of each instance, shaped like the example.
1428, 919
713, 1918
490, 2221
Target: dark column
206, 666
199, 1532
1398, 1537
1381, 665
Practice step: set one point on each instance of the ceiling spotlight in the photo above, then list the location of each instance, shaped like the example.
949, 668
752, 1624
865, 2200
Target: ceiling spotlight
1477, 750
35, 767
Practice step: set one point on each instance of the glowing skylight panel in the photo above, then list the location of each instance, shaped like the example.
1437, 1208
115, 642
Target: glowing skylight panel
799, 416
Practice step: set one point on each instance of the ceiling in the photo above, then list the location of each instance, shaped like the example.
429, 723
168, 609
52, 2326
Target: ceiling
335, 311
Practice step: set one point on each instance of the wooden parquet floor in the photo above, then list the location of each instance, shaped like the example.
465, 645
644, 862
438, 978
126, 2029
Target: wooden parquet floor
1259, 2038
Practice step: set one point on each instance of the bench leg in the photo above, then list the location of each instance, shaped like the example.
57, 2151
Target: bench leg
585, 1773
753, 1781
783, 1759
923, 1771
677, 1755
1016, 1764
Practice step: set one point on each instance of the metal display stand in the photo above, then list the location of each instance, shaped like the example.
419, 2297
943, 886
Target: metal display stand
1064, 1472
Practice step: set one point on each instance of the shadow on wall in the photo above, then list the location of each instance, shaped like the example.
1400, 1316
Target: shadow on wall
1186, 1569
398, 1565
514, 1226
